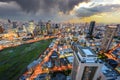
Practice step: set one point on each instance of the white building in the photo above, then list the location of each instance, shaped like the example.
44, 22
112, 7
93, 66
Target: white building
85, 65
31, 27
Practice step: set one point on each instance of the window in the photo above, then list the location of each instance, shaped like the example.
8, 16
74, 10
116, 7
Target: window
89, 72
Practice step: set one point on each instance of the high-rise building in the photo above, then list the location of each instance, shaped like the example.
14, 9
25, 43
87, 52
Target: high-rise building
56, 28
14, 24
40, 23
37, 30
1, 29
31, 27
91, 28
86, 65
42, 27
24, 28
48, 26
108, 37
118, 30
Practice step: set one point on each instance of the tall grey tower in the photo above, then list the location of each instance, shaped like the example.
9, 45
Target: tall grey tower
108, 37
85, 64
90, 30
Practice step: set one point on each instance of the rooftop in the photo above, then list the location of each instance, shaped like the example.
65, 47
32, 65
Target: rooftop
109, 72
86, 52
112, 26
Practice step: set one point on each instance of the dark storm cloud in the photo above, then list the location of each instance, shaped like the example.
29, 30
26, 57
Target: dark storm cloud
46, 5
67, 5
26, 5
86, 12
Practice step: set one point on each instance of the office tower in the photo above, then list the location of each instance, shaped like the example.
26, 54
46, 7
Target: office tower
108, 37
91, 28
56, 27
92, 24
48, 26
1, 29
14, 24
24, 28
40, 23
118, 30
31, 27
85, 64
37, 30
9, 21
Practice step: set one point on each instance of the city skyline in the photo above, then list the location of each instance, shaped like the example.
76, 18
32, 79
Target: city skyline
102, 11
59, 51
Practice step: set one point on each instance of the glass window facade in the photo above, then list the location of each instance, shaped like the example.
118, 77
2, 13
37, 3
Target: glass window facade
89, 72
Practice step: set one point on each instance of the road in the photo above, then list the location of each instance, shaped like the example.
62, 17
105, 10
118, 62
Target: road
39, 70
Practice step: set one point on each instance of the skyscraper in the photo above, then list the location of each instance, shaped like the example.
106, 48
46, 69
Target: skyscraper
48, 26
14, 24
24, 28
37, 30
40, 23
85, 65
31, 27
91, 28
118, 30
56, 27
108, 37
1, 29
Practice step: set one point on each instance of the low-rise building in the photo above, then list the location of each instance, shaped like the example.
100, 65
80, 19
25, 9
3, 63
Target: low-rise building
107, 73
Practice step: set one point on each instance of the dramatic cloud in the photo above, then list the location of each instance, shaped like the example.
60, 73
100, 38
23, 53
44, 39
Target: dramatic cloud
46, 5
67, 5
57, 10
89, 9
8, 10
34, 9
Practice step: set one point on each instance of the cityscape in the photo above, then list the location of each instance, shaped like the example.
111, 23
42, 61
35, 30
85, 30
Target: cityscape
59, 40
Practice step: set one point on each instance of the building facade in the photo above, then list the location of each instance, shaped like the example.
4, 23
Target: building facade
108, 37
85, 64
91, 28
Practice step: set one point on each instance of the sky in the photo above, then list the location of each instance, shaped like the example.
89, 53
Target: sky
102, 11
